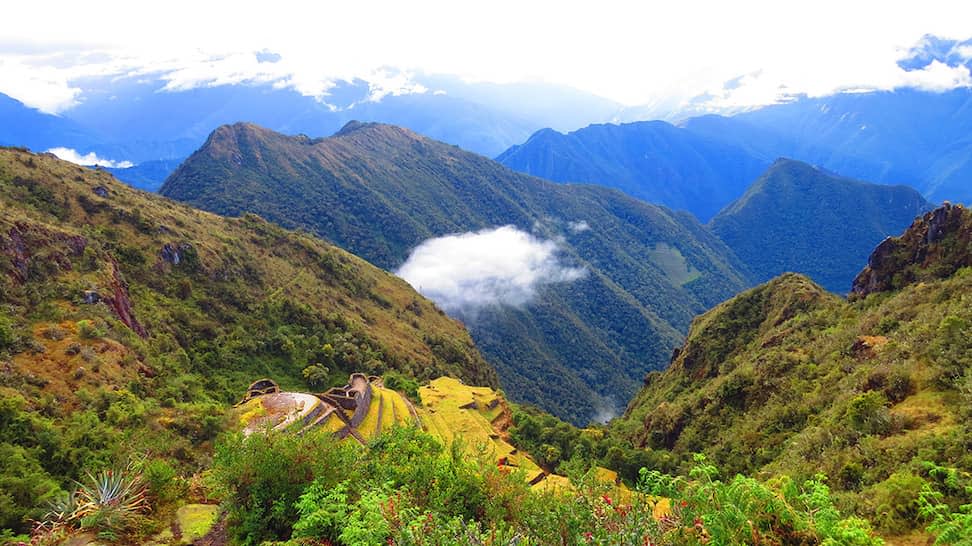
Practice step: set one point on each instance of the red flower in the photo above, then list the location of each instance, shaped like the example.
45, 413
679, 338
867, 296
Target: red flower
607, 499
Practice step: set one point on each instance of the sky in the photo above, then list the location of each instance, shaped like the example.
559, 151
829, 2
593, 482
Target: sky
636, 53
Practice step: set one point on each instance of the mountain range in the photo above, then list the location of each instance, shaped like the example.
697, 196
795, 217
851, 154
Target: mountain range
148, 122
797, 218
653, 161
912, 137
906, 136
380, 191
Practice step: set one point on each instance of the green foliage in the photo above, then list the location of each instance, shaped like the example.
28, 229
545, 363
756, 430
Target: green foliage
162, 481
402, 383
87, 329
404, 489
745, 511
868, 413
24, 488
366, 523
315, 375
558, 445
322, 510
262, 477
8, 336
945, 502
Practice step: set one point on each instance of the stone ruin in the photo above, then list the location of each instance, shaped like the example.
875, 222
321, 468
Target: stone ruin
349, 405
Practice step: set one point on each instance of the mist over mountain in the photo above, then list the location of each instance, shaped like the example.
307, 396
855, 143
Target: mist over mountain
912, 137
144, 119
381, 191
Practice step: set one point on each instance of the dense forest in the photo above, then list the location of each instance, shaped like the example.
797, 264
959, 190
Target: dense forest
379, 191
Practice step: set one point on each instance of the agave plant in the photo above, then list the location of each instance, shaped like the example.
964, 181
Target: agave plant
110, 499
63, 508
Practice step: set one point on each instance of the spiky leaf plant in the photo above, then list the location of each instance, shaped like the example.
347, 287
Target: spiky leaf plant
110, 500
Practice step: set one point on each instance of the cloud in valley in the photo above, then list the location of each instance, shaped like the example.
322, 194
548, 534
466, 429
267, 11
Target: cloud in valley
469, 271
89, 159
579, 226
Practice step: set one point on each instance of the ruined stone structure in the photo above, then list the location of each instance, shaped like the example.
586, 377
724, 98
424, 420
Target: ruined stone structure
341, 409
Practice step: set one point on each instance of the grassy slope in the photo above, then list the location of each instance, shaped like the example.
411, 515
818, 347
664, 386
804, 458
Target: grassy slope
788, 378
379, 190
235, 270
80, 388
800, 219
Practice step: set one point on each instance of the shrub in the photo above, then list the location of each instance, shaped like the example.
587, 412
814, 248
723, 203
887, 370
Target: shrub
402, 383
24, 487
261, 477
895, 501
87, 329
868, 413
8, 337
162, 481
316, 375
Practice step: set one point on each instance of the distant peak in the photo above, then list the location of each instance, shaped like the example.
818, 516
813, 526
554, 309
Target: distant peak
353, 126
372, 128
235, 130
787, 163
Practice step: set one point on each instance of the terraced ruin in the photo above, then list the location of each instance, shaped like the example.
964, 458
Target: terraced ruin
364, 408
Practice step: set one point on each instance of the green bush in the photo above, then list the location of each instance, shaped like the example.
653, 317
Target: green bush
24, 488
87, 329
895, 501
261, 478
8, 336
868, 414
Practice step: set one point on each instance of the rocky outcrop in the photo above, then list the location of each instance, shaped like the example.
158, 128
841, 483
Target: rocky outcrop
176, 254
26, 243
935, 246
120, 303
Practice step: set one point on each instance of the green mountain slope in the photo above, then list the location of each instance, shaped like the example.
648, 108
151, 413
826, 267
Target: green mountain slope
650, 160
798, 218
787, 378
129, 322
379, 191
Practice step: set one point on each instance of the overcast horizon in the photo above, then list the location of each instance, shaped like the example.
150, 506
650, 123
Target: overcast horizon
658, 56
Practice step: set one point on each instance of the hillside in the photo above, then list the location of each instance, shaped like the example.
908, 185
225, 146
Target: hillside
787, 378
798, 218
129, 322
653, 161
379, 191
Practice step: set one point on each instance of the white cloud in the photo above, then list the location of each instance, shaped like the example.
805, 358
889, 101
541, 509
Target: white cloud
466, 272
89, 159
577, 227
635, 53
938, 76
